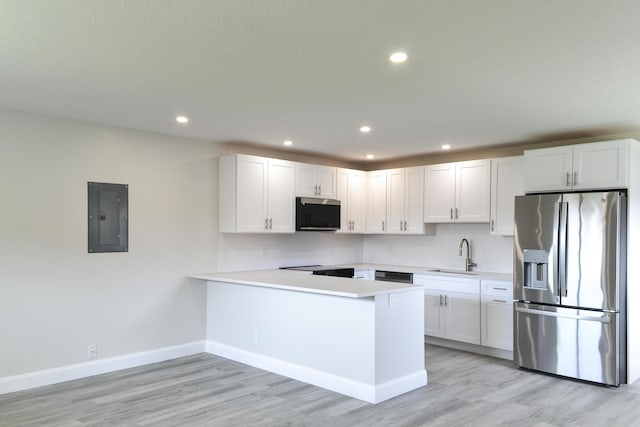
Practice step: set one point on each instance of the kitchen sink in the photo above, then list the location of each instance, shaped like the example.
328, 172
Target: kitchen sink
442, 270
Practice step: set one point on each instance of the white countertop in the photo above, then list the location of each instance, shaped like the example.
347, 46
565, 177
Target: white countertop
306, 282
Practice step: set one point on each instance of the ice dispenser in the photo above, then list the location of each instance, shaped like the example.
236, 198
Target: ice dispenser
536, 269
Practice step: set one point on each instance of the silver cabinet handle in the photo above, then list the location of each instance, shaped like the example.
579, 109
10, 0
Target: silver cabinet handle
456, 213
451, 213
382, 225
315, 190
405, 226
575, 179
319, 190
270, 223
568, 179
440, 300
492, 228
499, 289
401, 227
266, 223
446, 300
498, 300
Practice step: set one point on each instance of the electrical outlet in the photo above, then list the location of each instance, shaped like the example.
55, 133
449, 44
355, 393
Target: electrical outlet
392, 301
92, 351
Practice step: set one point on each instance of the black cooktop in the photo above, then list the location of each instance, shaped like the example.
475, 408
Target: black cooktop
303, 267
324, 270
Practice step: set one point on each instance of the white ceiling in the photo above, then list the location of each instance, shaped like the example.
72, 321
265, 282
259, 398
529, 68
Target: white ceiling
480, 72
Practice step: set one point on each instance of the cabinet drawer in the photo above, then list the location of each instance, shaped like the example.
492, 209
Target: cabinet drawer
498, 288
447, 284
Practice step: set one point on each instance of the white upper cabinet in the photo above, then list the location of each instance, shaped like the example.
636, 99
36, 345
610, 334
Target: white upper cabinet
405, 193
596, 165
414, 200
315, 181
395, 201
457, 192
506, 183
351, 193
376, 201
600, 165
256, 195
397, 207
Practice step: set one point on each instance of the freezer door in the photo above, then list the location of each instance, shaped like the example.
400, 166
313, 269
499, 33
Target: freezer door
594, 238
579, 344
535, 270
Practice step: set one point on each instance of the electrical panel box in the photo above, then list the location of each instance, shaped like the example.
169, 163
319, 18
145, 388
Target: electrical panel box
108, 217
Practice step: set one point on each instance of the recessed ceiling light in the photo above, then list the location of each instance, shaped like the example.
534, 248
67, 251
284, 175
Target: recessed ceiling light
182, 119
370, 156
398, 57
365, 129
288, 142
445, 146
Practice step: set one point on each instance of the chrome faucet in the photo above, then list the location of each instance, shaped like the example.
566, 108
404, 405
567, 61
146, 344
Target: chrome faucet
468, 264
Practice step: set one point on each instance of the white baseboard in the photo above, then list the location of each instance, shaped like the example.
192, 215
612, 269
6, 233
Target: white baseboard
367, 392
96, 367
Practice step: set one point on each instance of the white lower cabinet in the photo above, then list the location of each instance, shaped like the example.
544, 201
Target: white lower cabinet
496, 316
468, 310
451, 307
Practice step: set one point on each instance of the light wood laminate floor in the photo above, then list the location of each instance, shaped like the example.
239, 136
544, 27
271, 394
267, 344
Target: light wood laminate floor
206, 390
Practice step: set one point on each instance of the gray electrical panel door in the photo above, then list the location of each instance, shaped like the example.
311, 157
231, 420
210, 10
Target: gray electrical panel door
108, 217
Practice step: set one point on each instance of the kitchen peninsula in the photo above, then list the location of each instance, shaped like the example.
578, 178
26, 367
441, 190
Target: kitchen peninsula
361, 338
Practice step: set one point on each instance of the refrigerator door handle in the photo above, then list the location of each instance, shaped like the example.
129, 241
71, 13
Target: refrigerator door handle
602, 319
562, 249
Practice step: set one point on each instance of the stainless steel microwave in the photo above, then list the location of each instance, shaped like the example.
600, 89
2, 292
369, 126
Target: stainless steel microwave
317, 214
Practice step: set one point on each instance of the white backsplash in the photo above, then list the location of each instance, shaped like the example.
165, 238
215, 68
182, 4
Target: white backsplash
491, 253
258, 251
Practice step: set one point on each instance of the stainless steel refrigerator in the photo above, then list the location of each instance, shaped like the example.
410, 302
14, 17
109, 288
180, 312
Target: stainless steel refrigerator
570, 285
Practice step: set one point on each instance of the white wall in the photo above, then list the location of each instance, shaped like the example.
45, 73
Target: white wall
55, 298
491, 253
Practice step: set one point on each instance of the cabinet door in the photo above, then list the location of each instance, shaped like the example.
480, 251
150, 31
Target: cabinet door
342, 190
306, 185
414, 200
281, 197
506, 183
473, 183
395, 201
439, 192
548, 169
357, 201
497, 322
433, 316
326, 181
462, 312
377, 202
600, 165
251, 194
